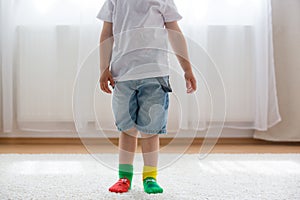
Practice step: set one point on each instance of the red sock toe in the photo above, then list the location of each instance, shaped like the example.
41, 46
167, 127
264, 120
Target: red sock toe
121, 186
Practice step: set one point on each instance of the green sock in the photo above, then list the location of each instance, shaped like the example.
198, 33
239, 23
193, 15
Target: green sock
151, 186
126, 170
149, 180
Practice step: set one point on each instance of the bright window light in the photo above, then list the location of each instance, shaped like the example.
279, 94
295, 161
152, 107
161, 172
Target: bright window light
235, 3
44, 6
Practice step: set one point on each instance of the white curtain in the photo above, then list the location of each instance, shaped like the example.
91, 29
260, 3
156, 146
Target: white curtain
46, 44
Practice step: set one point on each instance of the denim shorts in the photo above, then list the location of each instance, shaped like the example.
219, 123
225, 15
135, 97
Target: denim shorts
142, 104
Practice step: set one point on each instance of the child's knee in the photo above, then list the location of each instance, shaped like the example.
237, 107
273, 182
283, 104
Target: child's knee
149, 136
133, 132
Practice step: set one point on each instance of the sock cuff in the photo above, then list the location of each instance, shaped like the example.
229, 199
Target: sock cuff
127, 168
149, 171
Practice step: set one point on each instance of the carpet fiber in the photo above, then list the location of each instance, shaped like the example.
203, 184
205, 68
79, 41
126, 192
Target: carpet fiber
218, 176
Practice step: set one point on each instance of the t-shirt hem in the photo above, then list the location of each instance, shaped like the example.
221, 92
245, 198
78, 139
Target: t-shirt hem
173, 19
104, 19
142, 76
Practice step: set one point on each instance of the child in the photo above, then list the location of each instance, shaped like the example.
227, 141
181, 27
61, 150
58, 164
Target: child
140, 79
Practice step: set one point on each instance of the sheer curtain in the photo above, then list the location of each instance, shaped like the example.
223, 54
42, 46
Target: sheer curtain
46, 44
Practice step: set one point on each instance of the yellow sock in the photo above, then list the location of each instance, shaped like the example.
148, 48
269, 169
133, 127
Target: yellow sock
149, 171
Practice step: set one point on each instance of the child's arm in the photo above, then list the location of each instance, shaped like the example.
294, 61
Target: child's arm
106, 43
179, 46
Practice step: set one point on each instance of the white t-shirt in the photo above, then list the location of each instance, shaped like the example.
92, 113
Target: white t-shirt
140, 39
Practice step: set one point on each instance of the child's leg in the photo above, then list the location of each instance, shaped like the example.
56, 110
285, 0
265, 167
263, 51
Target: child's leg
127, 147
150, 149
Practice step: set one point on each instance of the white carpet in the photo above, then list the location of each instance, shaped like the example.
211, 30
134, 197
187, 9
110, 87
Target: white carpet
219, 176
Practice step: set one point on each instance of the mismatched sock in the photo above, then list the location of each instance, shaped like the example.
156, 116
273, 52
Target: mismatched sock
149, 180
